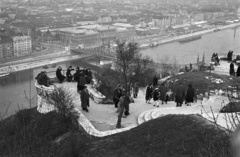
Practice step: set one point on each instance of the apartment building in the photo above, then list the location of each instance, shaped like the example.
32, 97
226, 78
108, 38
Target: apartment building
6, 47
22, 45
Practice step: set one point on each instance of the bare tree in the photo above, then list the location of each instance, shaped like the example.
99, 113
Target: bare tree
130, 63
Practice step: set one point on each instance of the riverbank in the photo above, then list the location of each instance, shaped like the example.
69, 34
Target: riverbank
34, 63
177, 38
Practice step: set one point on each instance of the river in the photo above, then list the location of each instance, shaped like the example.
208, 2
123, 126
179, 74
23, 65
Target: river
15, 88
219, 42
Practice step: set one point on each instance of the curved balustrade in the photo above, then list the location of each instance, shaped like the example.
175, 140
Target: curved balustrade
42, 94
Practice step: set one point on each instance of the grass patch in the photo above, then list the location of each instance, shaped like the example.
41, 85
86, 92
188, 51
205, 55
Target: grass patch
201, 83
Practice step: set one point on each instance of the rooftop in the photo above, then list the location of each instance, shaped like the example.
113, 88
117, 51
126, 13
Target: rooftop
125, 25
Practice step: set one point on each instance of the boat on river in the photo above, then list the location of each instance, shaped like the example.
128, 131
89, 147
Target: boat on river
190, 38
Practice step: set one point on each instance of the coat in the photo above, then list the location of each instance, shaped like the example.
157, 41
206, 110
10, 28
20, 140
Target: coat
155, 81
156, 95
59, 75
180, 94
84, 98
117, 94
149, 92
232, 71
163, 92
190, 94
238, 72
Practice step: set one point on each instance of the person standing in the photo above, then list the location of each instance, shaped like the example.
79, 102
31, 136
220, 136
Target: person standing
117, 94
135, 90
155, 81
123, 102
190, 95
84, 96
81, 82
238, 71
180, 95
149, 93
69, 75
76, 75
232, 71
59, 75
163, 90
156, 97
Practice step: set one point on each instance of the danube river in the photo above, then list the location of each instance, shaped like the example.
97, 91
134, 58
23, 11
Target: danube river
15, 88
219, 42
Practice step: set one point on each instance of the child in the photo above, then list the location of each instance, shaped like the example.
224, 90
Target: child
156, 96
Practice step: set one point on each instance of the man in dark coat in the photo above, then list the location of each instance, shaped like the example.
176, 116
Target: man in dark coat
163, 93
155, 80
149, 93
232, 70
76, 75
81, 82
59, 74
180, 95
84, 96
117, 94
43, 79
69, 75
123, 102
190, 95
238, 71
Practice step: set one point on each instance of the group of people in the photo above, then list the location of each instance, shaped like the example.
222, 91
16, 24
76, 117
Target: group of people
43, 79
86, 72
161, 94
121, 99
215, 59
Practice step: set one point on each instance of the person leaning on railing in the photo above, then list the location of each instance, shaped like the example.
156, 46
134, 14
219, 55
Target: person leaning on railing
43, 79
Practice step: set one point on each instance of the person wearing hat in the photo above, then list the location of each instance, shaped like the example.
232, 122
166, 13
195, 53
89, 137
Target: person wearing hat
59, 75
69, 75
123, 104
117, 94
84, 96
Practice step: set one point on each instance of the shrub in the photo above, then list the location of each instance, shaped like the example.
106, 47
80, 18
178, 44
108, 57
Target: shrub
231, 107
62, 100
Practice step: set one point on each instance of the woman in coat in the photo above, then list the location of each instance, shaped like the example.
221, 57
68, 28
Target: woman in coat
190, 95
180, 95
84, 96
232, 71
59, 74
149, 93
156, 96
163, 91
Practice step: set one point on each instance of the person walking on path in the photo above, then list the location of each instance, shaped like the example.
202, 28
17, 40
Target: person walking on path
163, 90
155, 80
156, 97
149, 93
81, 82
117, 94
190, 95
180, 95
84, 96
135, 90
232, 71
123, 102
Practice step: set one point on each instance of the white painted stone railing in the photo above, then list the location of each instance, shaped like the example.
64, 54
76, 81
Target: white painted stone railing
42, 93
97, 97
